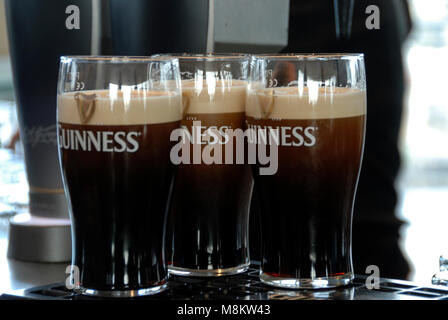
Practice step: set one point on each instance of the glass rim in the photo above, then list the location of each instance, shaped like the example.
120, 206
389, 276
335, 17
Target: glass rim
206, 56
308, 56
114, 59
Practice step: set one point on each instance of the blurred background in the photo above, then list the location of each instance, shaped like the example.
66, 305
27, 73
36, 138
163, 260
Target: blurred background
423, 180
13, 183
423, 183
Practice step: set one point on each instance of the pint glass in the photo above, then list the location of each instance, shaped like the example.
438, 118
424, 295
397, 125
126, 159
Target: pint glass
313, 108
208, 222
115, 116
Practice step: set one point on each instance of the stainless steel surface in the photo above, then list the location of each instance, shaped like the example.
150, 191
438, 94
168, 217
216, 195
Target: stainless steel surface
248, 287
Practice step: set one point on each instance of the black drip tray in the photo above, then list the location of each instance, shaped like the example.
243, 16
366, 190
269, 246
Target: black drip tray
247, 286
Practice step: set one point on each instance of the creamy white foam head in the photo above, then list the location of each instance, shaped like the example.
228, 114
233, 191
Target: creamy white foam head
214, 96
305, 103
120, 107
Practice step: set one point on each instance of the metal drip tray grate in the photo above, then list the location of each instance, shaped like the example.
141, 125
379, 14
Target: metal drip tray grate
247, 286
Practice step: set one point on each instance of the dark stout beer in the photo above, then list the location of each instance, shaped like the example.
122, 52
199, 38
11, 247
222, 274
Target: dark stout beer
115, 158
306, 206
208, 222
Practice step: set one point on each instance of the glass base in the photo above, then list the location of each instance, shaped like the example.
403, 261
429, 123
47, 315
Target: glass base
306, 283
186, 272
122, 293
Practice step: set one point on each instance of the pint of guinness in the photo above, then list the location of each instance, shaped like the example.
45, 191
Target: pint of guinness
313, 108
115, 117
207, 229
